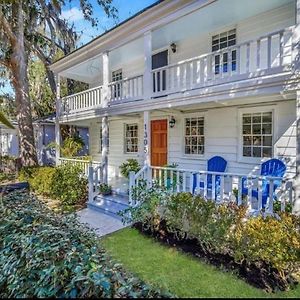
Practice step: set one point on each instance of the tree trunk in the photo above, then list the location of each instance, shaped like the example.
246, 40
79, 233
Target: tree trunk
19, 64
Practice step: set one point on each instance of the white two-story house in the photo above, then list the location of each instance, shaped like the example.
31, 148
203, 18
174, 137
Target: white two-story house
185, 80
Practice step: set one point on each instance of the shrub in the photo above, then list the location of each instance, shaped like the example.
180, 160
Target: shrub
270, 243
45, 255
149, 211
275, 241
42, 181
65, 183
105, 189
128, 166
69, 185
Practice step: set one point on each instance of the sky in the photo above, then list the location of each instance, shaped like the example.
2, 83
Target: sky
71, 12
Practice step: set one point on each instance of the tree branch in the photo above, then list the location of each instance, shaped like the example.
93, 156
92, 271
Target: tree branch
7, 29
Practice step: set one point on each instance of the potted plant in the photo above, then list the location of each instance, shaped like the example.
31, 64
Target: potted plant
128, 166
105, 189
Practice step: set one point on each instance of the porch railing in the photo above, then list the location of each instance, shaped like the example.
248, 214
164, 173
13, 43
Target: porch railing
127, 89
83, 164
270, 53
81, 101
266, 55
229, 187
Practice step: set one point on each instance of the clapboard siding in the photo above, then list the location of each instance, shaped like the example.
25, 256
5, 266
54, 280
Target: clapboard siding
265, 23
116, 154
222, 131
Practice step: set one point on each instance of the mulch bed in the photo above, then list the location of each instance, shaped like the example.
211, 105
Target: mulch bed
259, 275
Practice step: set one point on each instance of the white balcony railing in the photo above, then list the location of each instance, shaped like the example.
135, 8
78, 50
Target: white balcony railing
265, 55
80, 101
223, 187
128, 89
270, 53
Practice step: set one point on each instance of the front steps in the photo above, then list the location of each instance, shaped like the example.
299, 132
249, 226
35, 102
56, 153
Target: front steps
111, 204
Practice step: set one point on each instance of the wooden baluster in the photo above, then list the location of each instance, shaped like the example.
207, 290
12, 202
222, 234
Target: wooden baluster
198, 189
166, 178
171, 180
205, 186
191, 85
248, 58
259, 194
222, 188
258, 55
184, 182
240, 187
270, 206
213, 188
191, 182
269, 51
281, 47
250, 184
230, 181
160, 177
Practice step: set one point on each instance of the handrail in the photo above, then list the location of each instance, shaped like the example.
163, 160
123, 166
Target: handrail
252, 176
290, 28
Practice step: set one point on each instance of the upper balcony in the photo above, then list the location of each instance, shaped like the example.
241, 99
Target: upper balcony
232, 50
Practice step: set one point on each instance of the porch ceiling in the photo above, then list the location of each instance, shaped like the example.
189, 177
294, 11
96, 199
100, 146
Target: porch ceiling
212, 17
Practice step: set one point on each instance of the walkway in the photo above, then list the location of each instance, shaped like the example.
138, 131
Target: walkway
101, 222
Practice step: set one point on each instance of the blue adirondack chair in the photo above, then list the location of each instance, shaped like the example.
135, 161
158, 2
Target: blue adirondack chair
214, 164
272, 167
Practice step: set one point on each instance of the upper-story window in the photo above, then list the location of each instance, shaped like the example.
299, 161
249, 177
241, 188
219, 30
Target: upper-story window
194, 136
257, 134
131, 138
225, 60
117, 88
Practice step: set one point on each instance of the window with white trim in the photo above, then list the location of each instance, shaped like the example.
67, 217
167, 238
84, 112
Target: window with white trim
226, 59
117, 76
257, 134
194, 135
131, 138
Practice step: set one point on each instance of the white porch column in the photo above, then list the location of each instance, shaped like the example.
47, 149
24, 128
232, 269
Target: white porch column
147, 139
104, 128
57, 126
296, 41
147, 79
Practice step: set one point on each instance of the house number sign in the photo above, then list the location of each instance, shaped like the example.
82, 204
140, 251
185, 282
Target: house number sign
145, 139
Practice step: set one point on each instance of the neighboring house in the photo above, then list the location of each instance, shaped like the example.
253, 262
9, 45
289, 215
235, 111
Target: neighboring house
9, 141
44, 130
183, 81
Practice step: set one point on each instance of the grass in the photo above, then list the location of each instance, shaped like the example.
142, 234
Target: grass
181, 274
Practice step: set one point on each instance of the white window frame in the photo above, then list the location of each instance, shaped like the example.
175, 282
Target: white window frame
258, 109
229, 53
125, 138
193, 156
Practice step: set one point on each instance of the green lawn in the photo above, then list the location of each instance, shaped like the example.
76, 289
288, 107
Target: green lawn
179, 273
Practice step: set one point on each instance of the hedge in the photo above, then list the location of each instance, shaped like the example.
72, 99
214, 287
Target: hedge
43, 254
65, 183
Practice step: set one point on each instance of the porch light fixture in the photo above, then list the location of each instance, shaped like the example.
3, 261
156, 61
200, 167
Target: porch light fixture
172, 122
173, 47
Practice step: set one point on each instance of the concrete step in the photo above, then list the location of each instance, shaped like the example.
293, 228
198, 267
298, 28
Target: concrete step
111, 204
